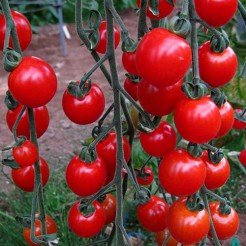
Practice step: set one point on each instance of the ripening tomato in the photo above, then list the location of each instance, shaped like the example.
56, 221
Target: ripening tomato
51, 228
84, 110
131, 88
216, 69
238, 125
197, 121
164, 8
225, 225
129, 62
216, 12
85, 179
227, 119
23, 177
106, 149
217, 174
159, 101
33, 82
146, 178
86, 226
41, 116
102, 45
159, 61
152, 215
23, 28
26, 154
159, 142
109, 207
186, 226
180, 174
242, 157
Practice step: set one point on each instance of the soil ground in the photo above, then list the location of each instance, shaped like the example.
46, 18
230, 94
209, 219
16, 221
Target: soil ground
63, 138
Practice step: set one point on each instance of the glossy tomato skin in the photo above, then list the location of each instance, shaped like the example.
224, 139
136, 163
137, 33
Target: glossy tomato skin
26, 154
159, 101
102, 45
238, 125
129, 62
131, 88
156, 54
106, 149
85, 110
23, 28
186, 226
227, 119
146, 180
242, 157
225, 225
165, 9
152, 215
159, 142
41, 116
109, 207
85, 179
216, 12
24, 177
180, 174
217, 174
86, 226
216, 69
197, 121
51, 228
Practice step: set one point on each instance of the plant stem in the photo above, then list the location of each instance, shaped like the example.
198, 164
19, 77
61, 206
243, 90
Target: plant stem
217, 197
17, 122
142, 25
242, 10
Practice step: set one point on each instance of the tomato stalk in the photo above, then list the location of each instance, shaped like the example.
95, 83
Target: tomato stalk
142, 25
242, 10
17, 122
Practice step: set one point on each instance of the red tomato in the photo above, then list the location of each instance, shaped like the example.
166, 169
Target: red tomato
131, 88
197, 121
24, 177
225, 225
85, 110
85, 179
242, 157
161, 236
109, 207
86, 226
147, 178
164, 8
216, 12
186, 226
159, 142
23, 28
33, 83
180, 174
106, 149
238, 125
102, 45
159, 62
227, 119
216, 69
26, 154
159, 101
129, 62
217, 174
41, 116
152, 215
51, 228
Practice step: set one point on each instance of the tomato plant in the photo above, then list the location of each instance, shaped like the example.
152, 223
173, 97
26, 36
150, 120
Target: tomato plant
132, 88
146, 177
238, 125
242, 157
129, 62
23, 28
109, 207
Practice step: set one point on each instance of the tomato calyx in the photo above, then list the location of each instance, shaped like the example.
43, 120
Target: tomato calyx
24, 221
194, 90
11, 59
10, 101
194, 149
180, 25
133, 78
219, 98
148, 127
86, 208
219, 43
87, 155
77, 90
128, 44
240, 115
154, 7
215, 156
142, 196
225, 208
195, 203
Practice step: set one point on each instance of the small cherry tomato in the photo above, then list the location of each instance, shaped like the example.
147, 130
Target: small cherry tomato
26, 154
180, 174
79, 176
152, 215
242, 157
23, 28
41, 116
186, 226
131, 88
109, 207
86, 225
129, 62
216, 69
238, 125
146, 177
102, 45
23, 177
159, 142
225, 225
33, 82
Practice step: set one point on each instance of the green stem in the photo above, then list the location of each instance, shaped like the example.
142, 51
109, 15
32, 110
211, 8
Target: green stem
142, 25
213, 30
17, 122
212, 194
166, 239
242, 10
